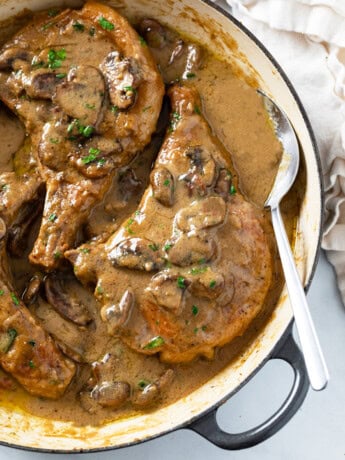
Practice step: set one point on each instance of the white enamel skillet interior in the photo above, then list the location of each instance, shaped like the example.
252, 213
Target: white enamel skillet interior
227, 38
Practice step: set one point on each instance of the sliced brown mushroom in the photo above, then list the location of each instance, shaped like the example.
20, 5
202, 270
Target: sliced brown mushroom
153, 391
123, 77
201, 214
188, 250
194, 57
10, 55
202, 171
208, 285
168, 289
223, 184
81, 95
117, 315
137, 254
32, 290
153, 32
41, 84
64, 303
162, 183
111, 394
177, 51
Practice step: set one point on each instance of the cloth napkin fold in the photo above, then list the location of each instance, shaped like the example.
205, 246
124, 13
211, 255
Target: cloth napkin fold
307, 37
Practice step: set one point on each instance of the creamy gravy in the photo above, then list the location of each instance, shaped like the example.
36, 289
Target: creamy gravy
237, 117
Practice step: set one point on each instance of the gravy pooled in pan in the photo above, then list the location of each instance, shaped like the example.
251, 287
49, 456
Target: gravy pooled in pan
136, 257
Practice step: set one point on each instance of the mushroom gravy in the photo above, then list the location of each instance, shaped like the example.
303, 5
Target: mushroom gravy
238, 119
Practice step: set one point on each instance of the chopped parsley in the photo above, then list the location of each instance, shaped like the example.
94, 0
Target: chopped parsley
197, 110
213, 284
167, 246
181, 282
175, 117
32, 343
53, 12
195, 310
195, 330
53, 140
166, 183
61, 75
90, 106
14, 299
78, 26
154, 343
202, 261
145, 109
137, 212
92, 31
56, 57
128, 226
142, 41
92, 156
46, 26
203, 328
32, 364
154, 247
190, 75
52, 217
129, 89
232, 190
4, 187
197, 271
86, 131
57, 255
2, 292
114, 109
85, 250
99, 290
143, 383
105, 24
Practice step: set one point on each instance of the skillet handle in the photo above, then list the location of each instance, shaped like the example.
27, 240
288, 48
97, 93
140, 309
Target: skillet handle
208, 427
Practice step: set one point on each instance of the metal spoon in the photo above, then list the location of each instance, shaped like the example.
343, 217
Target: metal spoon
313, 356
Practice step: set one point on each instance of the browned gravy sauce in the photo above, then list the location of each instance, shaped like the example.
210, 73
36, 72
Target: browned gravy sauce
236, 114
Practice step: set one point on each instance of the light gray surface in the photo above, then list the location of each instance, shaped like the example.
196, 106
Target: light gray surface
317, 432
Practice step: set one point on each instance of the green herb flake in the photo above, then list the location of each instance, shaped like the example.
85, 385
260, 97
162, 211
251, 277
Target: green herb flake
137, 212
154, 247
129, 89
53, 140
114, 109
101, 161
14, 299
85, 250
55, 58
166, 183
232, 190
92, 31
143, 383
203, 328
31, 364
2, 292
78, 26
47, 25
53, 12
195, 330
4, 187
57, 255
52, 217
198, 271
197, 110
32, 343
142, 41
99, 290
213, 284
145, 109
190, 75
181, 282
202, 261
93, 153
167, 247
154, 343
87, 131
106, 25
195, 310
90, 106
61, 75
128, 226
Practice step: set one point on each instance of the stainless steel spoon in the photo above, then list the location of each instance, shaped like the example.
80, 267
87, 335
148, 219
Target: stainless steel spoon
287, 171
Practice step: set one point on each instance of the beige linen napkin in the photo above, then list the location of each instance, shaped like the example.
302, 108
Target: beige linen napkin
307, 37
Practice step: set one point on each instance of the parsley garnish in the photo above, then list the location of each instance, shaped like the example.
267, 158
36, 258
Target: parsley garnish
54, 140
93, 153
14, 299
213, 284
197, 271
142, 41
106, 25
195, 310
154, 247
197, 110
61, 75
167, 247
90, 106
55, 58
190, 75
32, 364
78, 26
2, 292
232, 190
154, 343
181, 282
52, 217
166, 183
53, 12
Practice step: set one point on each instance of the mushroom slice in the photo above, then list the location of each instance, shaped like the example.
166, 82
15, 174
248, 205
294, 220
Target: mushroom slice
162, 183
168, 289
10, 55
111, 394
201, 214
154, 33
32, 289
81, 96
223, 184
41, 84
117, 315
208, 285
153, 391
123, 77
188, 250
69, 307
137, 254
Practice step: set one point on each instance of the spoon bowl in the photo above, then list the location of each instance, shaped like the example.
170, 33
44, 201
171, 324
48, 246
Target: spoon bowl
286, 175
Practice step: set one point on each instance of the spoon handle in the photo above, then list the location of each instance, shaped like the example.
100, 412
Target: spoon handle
313, 357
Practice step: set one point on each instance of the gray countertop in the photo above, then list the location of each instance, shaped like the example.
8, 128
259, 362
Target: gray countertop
316, 432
